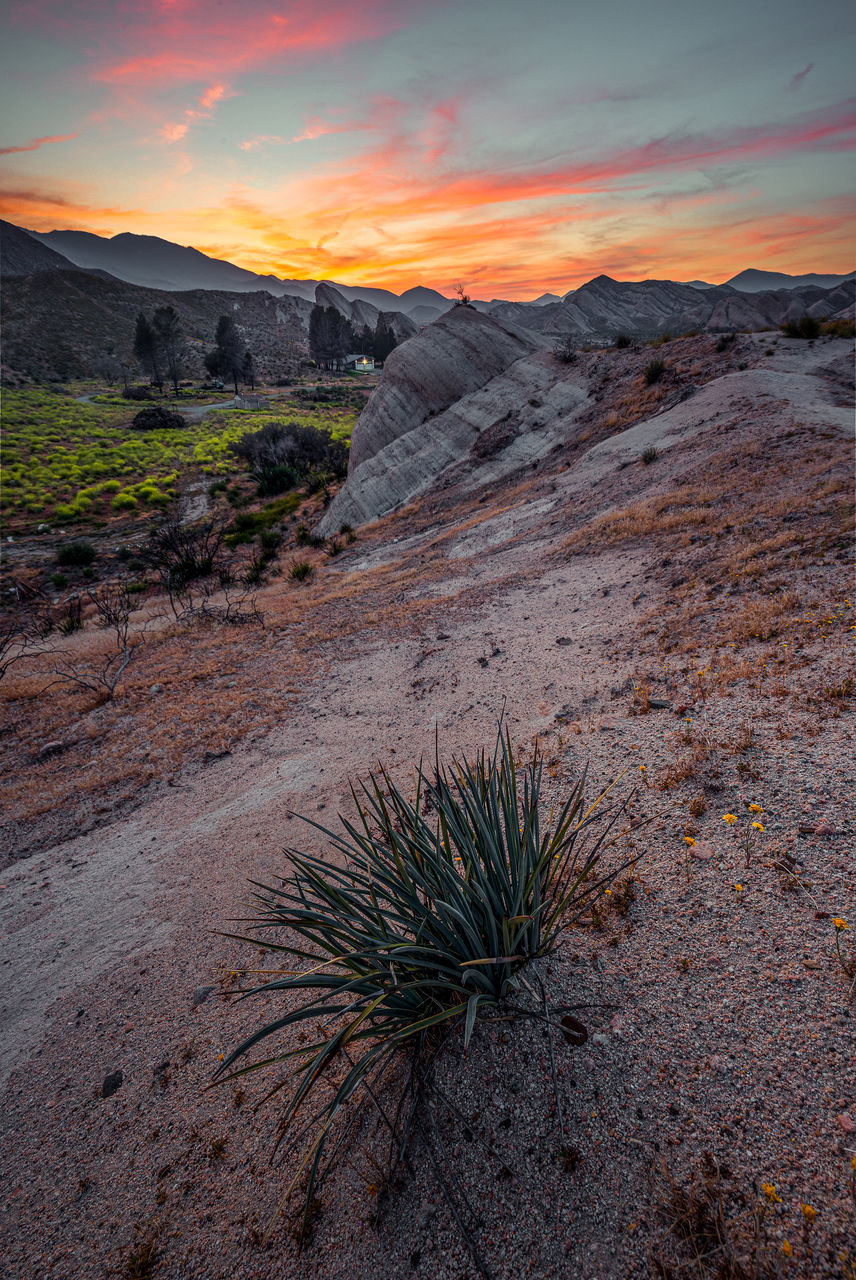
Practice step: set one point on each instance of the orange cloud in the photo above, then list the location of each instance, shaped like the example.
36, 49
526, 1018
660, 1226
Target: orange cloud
37, 142
174, 131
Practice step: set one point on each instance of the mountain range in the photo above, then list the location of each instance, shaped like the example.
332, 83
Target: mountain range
70, 298
159, 264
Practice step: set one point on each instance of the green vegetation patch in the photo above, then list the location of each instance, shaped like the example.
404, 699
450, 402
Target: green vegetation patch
248, 524
77, 461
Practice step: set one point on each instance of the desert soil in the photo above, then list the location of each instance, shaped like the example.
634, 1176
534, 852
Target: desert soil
706, 663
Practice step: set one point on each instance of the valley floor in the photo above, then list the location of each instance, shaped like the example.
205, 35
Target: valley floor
683, 624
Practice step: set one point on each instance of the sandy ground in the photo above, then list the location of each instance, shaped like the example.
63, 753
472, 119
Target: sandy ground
719, 1017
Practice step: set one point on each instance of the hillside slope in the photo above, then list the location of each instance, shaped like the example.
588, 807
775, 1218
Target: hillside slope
677, 625
57, 324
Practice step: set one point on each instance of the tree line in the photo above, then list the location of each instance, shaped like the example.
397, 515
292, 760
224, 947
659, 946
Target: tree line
332, 337
160, 347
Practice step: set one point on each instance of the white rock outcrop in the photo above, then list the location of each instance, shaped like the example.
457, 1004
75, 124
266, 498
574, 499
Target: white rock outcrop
404, 438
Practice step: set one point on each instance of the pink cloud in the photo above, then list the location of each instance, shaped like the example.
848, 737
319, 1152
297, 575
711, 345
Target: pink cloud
799, 77
174, 131
36, 143
193, 40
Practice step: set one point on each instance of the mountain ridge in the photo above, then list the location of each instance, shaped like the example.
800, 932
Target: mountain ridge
123, 255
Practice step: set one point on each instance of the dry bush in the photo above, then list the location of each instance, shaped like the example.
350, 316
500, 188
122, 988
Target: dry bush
713, 1229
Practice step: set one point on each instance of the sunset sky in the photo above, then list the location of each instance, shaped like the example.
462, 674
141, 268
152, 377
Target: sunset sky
514, 147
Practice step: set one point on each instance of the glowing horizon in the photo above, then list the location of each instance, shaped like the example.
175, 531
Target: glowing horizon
401, 143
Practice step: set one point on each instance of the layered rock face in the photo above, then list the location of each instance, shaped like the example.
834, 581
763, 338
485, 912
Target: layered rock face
399, 444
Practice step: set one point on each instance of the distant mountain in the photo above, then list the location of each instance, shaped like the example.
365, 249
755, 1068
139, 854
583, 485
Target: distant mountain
362, 313
159, 264
544, 300
647, 308
754, 281
700, 284
21, 255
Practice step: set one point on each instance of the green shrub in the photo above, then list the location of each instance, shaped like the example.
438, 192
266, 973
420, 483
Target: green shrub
415, 923
124, 502
649, 455
806, 327
306, 539
654, 371
300, 570
725, 341
75, 554
250, 523
59, 580
270, 541
622, 340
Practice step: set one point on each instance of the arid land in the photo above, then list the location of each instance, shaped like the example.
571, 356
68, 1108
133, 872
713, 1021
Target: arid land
686, 623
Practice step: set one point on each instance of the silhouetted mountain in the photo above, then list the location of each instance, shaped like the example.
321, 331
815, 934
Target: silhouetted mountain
159, 264
21, 255
754, 281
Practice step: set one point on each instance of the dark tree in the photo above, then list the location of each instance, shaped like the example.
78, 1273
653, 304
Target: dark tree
169, 339
366, 341
227, 358
248, 373
384, 340
330, 336
146, 350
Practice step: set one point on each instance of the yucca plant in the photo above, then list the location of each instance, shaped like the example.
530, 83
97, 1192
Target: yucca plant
434, 907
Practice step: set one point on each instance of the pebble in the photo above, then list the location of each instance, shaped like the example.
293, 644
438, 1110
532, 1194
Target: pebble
846, 1122
112, 1083
201, 994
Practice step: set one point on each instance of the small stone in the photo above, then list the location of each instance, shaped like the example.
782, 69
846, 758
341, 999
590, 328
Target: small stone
824, 829
201, 994
846, 1122
598, 1038
155, 688
564, 640
810, 964
701, 851
50, 749
112, 1083
718, 1063
715, 962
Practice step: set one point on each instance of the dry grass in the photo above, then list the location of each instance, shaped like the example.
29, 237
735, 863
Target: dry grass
195, 689
713, 1230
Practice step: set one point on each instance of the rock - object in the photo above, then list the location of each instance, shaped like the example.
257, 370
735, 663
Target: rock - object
399, 445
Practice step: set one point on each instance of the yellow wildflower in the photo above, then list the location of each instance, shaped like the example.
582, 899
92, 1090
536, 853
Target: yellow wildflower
787, 1249
739, 888
689, 841
220, 1057
770, 1192
808, 1213
730, 818
757, 826
853, 1163
839, 923
755, 808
